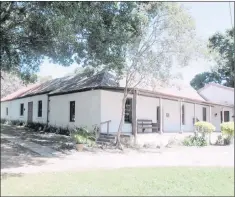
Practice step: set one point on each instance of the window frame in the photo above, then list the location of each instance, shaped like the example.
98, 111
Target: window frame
128, 112
224, 116
71, 112
40, 108
204, 115
21, 109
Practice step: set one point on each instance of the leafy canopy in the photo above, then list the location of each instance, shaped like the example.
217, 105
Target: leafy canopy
223, 46
89, 33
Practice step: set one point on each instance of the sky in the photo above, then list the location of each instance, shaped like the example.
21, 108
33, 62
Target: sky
209, 17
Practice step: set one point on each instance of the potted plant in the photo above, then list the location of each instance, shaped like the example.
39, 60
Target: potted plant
80, 141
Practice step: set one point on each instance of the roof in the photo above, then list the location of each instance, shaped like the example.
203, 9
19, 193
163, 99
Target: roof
65, 84
215, 85
101, 80
19, 92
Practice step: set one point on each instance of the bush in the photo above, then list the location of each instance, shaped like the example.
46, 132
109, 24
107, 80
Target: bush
81, 135
204, 127
194, 141
3, 121
227, 129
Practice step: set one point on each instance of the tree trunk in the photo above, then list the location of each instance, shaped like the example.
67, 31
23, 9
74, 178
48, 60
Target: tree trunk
118, 141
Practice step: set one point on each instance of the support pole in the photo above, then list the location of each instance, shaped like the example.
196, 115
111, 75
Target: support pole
194, 106
181, 116
161, 116
134, 121
222, 114
210, 114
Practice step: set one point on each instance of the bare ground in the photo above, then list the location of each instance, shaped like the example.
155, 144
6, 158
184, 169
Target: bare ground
17, 159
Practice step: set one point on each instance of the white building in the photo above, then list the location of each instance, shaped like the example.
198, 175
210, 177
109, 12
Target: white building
82, 101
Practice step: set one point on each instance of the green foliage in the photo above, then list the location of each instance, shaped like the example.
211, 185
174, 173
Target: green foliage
223, 46
220, 140
82, 136
227, 129
89, 33
204, 127
3, 121
194, 141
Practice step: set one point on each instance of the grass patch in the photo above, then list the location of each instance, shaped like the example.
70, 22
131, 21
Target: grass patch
128, 181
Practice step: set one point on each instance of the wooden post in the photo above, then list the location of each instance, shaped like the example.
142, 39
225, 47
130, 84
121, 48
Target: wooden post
108, 127
222, 114
161, 116
134, 121
210, 114
181, 116
194, 115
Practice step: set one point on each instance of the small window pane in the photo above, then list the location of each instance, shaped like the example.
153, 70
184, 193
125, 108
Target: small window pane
22, 109
72, 111
128, 110
7, 111
204, 113
39, 108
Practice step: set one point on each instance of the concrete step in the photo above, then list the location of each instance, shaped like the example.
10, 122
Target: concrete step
107, 136
104, 143
105, 139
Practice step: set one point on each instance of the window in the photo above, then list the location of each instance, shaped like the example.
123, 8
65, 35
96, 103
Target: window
72, 111
39, 108
22, 109
226, 116
204, 113
183, 122
7, 111
128, 110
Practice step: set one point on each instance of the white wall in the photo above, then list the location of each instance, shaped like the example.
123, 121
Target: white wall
218, 95
216, 120
147, 109
111, 107
87, 109
14, 108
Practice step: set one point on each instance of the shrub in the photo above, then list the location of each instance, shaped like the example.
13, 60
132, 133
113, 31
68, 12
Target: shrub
81, 135
220, 140
3, 121
227, 129
204, 127
194, 141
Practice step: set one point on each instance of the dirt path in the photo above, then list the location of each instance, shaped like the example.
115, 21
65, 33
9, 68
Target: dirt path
17, 159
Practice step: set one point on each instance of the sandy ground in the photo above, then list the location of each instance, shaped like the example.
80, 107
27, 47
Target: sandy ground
17, 159
207, 156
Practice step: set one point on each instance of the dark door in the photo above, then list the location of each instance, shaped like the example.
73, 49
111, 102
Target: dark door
30, 111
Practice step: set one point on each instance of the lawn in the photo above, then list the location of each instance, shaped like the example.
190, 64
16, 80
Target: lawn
129, 181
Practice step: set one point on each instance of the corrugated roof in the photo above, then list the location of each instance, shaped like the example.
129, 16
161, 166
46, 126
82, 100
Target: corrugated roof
20, 92
66, 84
102, 79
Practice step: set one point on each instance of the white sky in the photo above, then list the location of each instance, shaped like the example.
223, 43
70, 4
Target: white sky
210, 17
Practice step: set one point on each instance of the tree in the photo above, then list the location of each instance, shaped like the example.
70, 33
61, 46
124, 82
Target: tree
89, 33
204, 78
10, 83
166, 37
223, 46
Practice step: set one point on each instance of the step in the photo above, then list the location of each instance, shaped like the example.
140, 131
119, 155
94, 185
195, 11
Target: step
107, 136
103, 143
104, 139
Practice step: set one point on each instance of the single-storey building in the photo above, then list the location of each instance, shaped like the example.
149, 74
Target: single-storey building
93, 101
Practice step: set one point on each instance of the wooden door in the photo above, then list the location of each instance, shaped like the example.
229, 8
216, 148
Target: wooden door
30, 111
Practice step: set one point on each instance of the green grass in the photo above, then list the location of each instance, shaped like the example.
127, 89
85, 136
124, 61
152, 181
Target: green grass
129, 181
